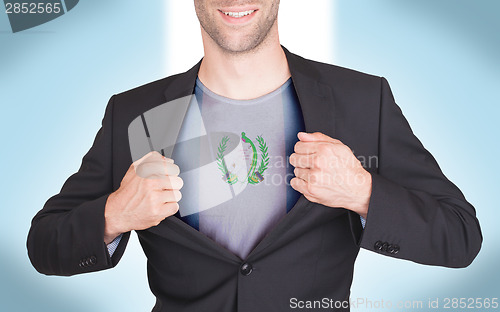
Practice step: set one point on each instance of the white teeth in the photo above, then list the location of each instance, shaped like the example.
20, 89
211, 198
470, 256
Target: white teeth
239, 14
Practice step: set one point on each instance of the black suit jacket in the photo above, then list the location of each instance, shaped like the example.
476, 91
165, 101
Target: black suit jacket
415, 212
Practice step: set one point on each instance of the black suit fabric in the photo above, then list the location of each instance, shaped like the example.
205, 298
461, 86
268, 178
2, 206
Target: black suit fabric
415, 212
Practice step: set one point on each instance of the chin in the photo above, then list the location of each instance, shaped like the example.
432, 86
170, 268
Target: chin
239, 45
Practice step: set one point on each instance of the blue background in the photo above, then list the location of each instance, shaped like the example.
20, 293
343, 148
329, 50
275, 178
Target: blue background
440, 57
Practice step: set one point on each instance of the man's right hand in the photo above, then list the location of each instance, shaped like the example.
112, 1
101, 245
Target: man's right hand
148, 193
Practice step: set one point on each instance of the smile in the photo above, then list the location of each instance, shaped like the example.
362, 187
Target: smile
238, 14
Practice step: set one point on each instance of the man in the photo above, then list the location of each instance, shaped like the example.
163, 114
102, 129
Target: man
270, 245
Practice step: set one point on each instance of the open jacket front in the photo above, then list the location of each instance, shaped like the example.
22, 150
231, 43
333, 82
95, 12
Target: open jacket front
415, 212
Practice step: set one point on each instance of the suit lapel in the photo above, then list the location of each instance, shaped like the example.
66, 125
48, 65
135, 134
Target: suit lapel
183, 84
318, 107
315, 98
181, 88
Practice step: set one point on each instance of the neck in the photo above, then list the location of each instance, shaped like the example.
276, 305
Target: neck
244, 76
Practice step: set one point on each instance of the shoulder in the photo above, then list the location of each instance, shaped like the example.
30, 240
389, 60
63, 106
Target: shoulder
335, 75
128, 105
152, 90
133, 102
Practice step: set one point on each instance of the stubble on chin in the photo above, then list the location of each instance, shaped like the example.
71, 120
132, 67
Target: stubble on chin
254, 40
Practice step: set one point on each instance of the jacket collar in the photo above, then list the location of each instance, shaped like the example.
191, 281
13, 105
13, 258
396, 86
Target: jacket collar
315, 96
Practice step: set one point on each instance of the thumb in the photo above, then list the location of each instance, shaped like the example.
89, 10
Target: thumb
144, 157
152, 156
316, 137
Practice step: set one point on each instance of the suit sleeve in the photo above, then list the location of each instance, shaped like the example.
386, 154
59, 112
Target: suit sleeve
67, 236
415, 212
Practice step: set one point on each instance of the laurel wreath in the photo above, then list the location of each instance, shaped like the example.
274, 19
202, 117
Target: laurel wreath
220, 155
264, 162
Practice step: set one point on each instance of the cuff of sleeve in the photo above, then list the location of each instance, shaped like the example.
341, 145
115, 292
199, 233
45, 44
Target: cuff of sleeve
87, 223
378, 232
363, 221
112, 246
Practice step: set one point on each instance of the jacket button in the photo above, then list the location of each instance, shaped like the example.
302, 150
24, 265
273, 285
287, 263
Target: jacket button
93, 260
83, 263
393, 249
246, 269
385, 245
390, 249
378, 245
396, 249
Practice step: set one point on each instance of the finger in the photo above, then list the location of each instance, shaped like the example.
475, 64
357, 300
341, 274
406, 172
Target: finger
308, 147
152, 156
171, 169
316, 136
311, 176
171, 183
170, 196
303, 147
147, 156
301, 160
302, 173
133, 167
298, 184
157, 157
170, 160
171, 208
301, 186
157, 169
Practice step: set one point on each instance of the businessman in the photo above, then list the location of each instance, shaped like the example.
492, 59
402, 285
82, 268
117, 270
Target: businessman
268, 242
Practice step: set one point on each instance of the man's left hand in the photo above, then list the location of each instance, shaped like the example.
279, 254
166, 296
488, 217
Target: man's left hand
327, 172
